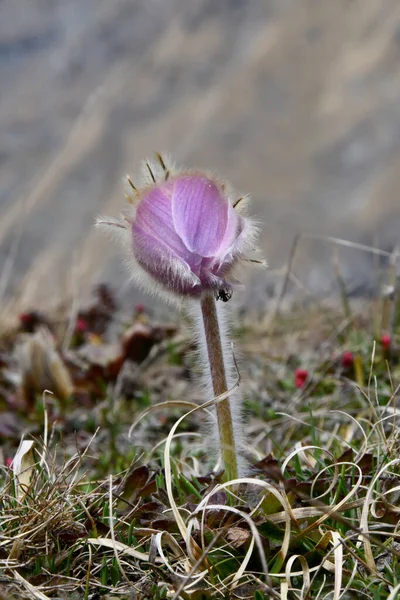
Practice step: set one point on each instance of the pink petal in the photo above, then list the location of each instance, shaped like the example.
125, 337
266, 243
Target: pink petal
199, 213
233, 230
157, 258
154, 217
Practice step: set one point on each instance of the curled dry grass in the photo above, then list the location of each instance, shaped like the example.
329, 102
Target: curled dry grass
316, 518
326, 528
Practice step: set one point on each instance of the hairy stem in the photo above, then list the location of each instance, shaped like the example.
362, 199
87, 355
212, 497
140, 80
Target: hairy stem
219, 382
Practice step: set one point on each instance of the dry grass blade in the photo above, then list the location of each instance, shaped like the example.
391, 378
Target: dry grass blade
203, 505
37, 594
186, 582
23, 467
111, 525
338, 556
305, 572
249, 521
394, 594
193, 549
160, 406
185, 573
120, 547
242, 569
369, 557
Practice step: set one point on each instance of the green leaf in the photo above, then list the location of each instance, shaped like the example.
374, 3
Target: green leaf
188, 486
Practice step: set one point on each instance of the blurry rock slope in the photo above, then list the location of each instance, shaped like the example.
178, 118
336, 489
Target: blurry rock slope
295, 101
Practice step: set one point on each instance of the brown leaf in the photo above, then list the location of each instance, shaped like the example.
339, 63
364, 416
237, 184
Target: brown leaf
100, 312
42, 368
103, 360
164, 525
270, 467
149, 508
133, 481
139, 339
347, 456
148, 489
237, 536
218, 498
71, 532
137, 342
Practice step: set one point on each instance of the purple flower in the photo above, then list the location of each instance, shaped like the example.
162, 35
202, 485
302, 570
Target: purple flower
186, 233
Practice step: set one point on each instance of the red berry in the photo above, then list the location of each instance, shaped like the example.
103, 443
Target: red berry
386, 341
140, 308
81, 325
301, 376
25, 318
347, 359
30, 320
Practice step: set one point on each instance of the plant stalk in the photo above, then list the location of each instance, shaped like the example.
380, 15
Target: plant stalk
220, 386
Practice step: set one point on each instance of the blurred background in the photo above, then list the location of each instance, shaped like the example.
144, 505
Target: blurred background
295, 101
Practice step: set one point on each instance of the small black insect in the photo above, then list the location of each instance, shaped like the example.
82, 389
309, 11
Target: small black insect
223, 294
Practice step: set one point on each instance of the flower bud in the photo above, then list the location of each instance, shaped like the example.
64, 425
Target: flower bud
386, 341
347, 359
300, 377
185, 234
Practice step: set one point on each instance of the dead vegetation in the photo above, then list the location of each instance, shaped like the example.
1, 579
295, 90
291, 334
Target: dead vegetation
112, 493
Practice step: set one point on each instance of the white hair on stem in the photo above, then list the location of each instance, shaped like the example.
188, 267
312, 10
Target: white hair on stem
235, 399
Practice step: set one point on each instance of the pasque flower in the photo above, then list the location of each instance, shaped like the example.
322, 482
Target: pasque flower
185, 235
186, 231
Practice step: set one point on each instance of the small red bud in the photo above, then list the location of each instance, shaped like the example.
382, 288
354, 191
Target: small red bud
386, 341
25, 318
301, 376
8, 462
30, 320
81, 325
140, 308
347, 359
